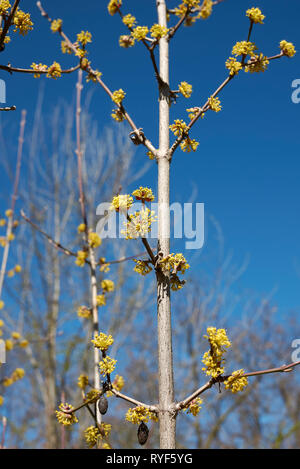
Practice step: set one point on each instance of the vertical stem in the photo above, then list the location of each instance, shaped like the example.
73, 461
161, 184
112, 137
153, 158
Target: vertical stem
165, 355
93, 278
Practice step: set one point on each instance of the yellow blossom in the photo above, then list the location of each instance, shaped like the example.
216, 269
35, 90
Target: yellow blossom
56, 25
236, 382
215, 104
113, 6
23, 343
117, 384
65, 48
38, 68
81, 258
121, 203
104, 266
150, 155
126, 41
10, 273
101, 300
174, 263
22, 22
81, 228
2, 222
66, 418
233, 65
129, 20
194, 407
257, 63
244, 48
140, 32
19, 373
142, 267
84, 37
94, 76
1, 400
16, 335
189, 145
91, 435
213, 359
107, 286
185, 89
18, 269
11, 237
179, 127
4, 6
84, 312
206, 9
54, 71
9, 344
140, 414
139, 224
158, 31
287, 48
107, 365
83, 381
94, 240
144, 194
255, 15
102, 341
118, 115
118, 96
9, 213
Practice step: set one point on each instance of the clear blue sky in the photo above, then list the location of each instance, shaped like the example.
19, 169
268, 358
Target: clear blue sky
247, 167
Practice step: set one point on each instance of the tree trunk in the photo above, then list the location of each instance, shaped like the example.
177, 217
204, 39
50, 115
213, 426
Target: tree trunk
165, 356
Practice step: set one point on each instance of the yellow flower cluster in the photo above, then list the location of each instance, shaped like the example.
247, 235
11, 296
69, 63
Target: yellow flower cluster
213, 359
236, 382
38, 68
144, 194
179, 127
63, 418
140, 32
139, 224
22, 22
142, 267
189, 145
83, 381
104, 266
107, 365
233, 65
81, 228
126, 40
118, 96
129, 20
101, 300
56, 25
81, 258
114, 6
102, 341
215, 104
255, 15
118, 115
54, 71
244, 48
91, 435
175, 283
194, 407
4, 6
107, 286
140, 414
158, 31
257, 63
174, 263
206, 9
93, 395
185, 89
84, 37
150, 155
117, 384
94, 240
193, 111
84, 312
287, 48
93, 76
16, 375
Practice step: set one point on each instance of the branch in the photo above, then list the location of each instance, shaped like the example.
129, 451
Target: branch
89, 70
220, 379
152, 408
9, 108
49, 238
7, 24
10, 69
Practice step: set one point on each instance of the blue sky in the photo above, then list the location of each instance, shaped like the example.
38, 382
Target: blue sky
247, 167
